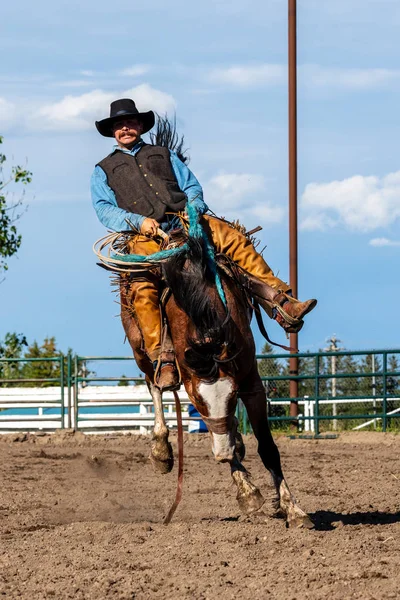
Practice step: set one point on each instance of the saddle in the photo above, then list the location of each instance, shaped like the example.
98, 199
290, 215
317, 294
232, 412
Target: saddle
256, 293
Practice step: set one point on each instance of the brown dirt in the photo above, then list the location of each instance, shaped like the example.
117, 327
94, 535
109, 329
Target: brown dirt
80, 517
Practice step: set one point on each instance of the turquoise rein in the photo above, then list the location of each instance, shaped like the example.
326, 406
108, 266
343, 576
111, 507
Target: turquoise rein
195, 231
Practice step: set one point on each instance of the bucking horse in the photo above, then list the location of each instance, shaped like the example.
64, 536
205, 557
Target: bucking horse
215, 353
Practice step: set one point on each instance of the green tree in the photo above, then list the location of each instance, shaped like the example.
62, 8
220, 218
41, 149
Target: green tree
11, 347
393, 386
347, 386
306, 368
10, 240
393, 381
370, 364
271, 367
42, 369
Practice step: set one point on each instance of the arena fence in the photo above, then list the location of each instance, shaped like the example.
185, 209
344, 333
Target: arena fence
336, 391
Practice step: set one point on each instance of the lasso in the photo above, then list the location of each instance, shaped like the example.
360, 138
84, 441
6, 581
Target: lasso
116, 261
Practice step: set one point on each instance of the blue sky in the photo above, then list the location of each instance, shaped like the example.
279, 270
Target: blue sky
221, 66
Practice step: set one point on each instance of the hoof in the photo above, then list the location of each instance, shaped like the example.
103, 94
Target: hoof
162, 466
161, 457
250, 500
299, 520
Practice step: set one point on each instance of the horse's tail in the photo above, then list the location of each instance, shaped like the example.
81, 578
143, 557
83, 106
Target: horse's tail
166, 135
192, 285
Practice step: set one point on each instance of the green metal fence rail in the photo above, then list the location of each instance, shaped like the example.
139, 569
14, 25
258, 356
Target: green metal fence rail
364, 387
337, 390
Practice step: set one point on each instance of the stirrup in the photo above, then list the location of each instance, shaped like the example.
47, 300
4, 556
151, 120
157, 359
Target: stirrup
292, 323
173, 378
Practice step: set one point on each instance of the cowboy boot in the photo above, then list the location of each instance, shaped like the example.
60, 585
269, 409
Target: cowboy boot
278, 304
256, 275
166, 376
289, 311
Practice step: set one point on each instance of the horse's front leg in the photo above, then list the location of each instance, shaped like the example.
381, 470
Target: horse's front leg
284, 504
248, 495
161, 454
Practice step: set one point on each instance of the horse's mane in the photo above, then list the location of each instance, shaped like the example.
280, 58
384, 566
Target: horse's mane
193, 284
166, 135
193, 288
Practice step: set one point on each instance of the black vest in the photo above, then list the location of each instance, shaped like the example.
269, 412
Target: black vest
145, 183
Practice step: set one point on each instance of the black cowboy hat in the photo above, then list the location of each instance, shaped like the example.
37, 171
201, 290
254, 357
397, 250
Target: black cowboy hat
123, 109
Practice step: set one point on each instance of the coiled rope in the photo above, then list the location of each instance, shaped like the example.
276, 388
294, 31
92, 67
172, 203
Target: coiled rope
121, 262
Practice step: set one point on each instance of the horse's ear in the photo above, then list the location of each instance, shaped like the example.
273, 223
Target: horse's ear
167, 136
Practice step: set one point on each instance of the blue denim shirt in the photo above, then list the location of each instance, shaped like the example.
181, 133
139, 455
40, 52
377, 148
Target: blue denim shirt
114, 218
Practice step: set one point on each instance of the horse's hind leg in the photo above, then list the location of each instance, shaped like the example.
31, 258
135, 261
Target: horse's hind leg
284, 504
161, 454
249, 497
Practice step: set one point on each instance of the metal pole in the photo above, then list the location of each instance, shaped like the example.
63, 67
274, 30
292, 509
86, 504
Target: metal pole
292, 77
62, 382
69, 374
374, 387
384, 367
333, 347
334, 408
316, 396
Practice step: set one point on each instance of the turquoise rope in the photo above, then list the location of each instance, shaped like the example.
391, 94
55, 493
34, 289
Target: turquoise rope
196, 231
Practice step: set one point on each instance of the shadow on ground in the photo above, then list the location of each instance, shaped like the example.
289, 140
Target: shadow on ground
325, 520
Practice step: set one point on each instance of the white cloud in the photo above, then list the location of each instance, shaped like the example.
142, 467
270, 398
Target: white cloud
7, 112
268, 212
87, 73
229, 189
80, 112
135, 70
237, 195
383, 242
266, 74
350, 78
357, 203
248, 75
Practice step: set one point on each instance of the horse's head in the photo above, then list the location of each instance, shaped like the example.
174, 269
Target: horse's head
216, 401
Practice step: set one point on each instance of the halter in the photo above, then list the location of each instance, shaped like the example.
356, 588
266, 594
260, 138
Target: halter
219, 425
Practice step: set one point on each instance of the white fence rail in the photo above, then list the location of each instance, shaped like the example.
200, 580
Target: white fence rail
133, 409
51, 408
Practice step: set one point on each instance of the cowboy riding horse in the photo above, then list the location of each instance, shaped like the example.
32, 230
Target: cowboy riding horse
200, 334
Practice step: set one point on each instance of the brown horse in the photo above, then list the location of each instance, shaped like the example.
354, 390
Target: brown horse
215, 351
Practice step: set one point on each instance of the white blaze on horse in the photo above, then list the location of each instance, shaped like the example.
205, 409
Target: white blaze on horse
215, 352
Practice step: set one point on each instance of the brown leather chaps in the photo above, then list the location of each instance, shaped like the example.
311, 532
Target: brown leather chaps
144, 295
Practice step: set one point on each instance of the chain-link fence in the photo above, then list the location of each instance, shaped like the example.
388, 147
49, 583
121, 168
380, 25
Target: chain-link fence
335, 390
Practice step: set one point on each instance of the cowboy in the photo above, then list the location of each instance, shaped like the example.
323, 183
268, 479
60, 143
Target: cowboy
146, 186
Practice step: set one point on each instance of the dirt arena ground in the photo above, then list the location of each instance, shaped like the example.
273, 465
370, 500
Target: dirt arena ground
81, 517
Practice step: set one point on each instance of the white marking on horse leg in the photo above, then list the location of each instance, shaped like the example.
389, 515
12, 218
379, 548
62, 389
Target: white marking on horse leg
161, 451
160, 426
216, 396
222, 446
